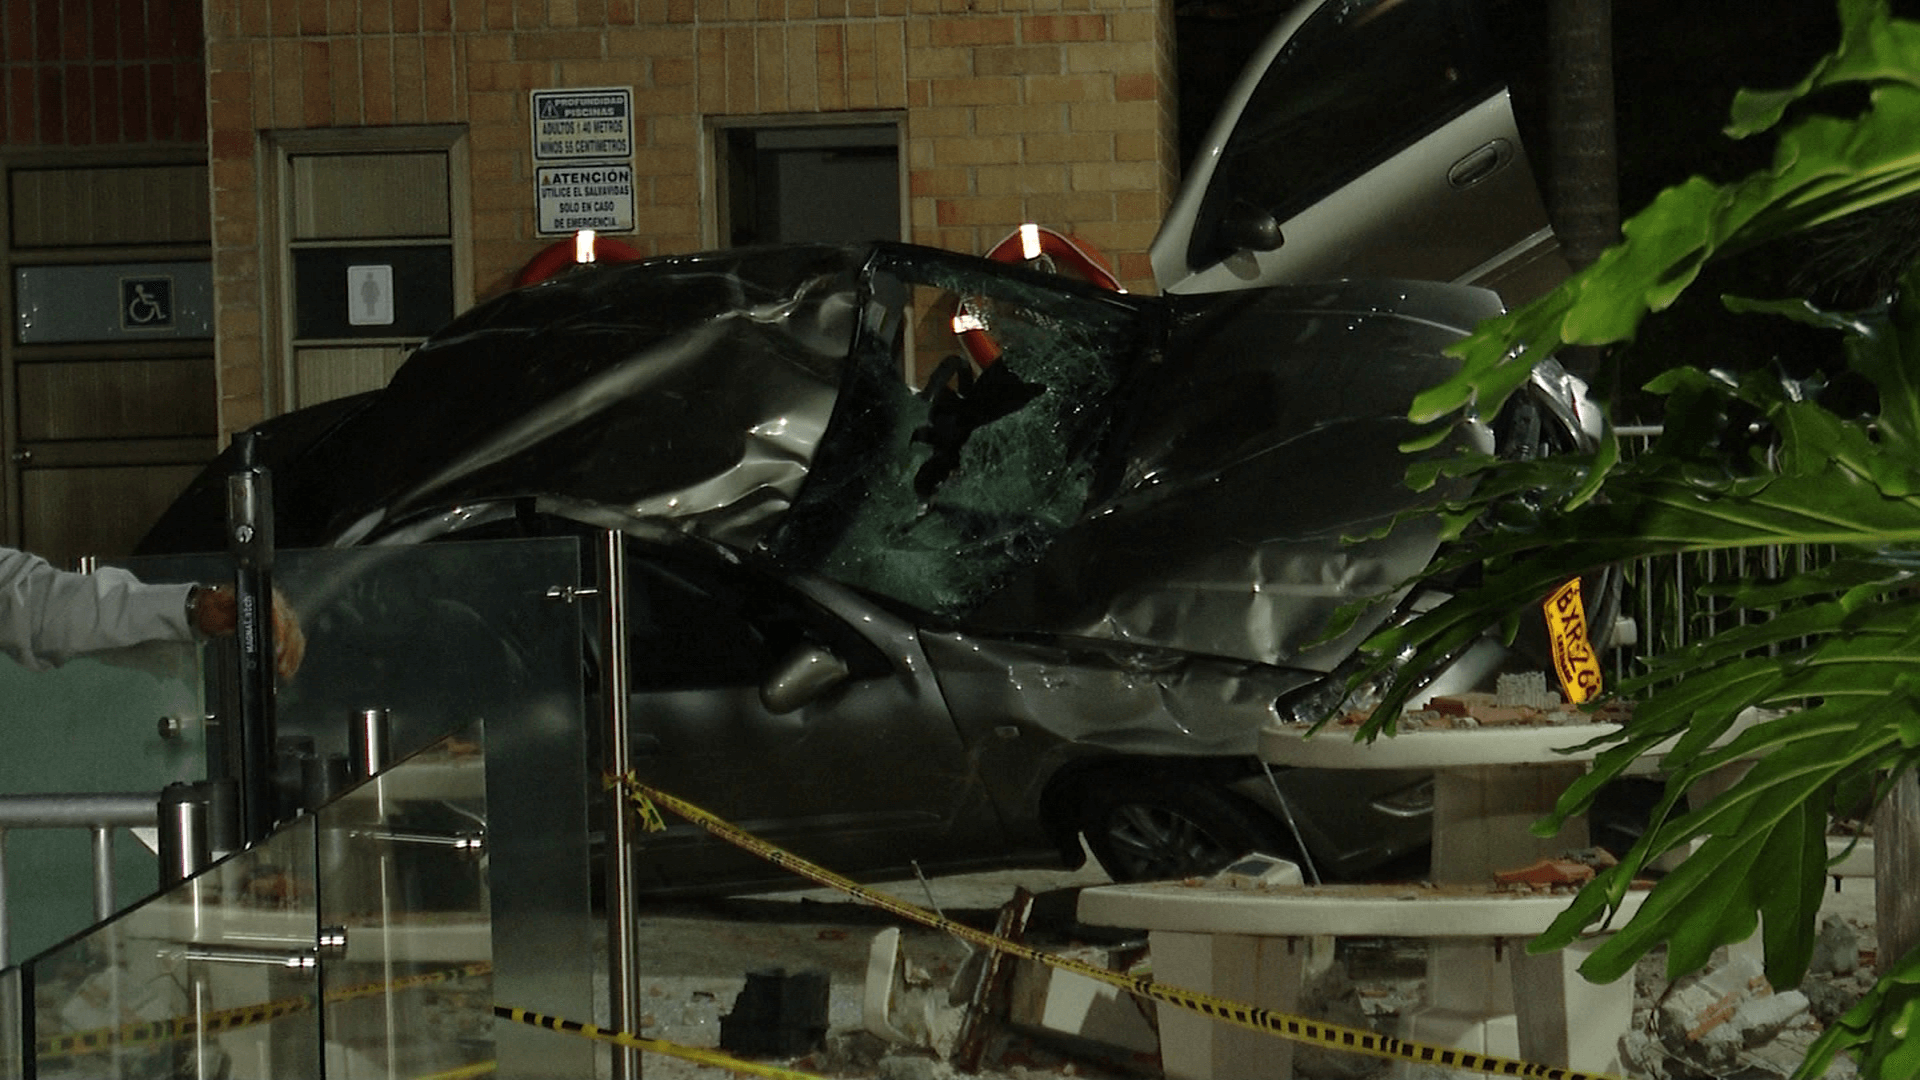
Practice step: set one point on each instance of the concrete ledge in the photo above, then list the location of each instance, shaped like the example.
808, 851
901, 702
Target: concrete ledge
1337, 910
1451, 748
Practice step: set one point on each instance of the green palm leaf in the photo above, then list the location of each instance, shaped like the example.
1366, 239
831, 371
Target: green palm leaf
1746, 463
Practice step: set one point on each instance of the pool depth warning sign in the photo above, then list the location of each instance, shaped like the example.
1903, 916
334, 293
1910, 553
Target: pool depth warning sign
583, 159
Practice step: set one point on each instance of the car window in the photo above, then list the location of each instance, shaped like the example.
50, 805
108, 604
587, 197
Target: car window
1360, 80
701, 623
951, 463
682, 633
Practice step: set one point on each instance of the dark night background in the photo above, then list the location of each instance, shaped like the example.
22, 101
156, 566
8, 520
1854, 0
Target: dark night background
1676, 69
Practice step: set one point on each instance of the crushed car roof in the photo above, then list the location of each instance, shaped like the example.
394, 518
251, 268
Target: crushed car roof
1180, 472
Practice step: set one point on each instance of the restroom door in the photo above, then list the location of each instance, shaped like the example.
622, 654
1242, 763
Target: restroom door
107, 388
374, 247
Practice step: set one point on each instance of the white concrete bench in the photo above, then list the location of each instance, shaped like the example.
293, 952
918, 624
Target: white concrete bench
1253, 944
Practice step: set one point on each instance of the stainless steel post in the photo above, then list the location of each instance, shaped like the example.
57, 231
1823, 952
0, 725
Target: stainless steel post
103, 902
185, 839
372, 746
6, 944
623, 978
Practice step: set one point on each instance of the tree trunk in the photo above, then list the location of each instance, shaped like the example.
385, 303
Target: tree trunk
1896, 866
1583, 185
1583, 189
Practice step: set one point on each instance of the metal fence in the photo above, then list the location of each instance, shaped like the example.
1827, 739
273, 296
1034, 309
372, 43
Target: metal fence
1668, 601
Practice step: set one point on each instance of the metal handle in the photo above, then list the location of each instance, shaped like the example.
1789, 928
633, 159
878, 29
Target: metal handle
469, 844
295, 956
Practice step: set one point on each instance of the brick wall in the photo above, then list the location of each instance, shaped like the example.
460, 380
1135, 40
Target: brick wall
76, 74
1056, 111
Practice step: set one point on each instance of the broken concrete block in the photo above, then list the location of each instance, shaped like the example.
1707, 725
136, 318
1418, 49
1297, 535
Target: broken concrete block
1837, 950
900, 1005
1048, 1000
1547, 872
1713, 1019
1527, 689
1759, 1019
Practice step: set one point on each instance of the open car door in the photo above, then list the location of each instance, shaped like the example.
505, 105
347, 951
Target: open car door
1366, 138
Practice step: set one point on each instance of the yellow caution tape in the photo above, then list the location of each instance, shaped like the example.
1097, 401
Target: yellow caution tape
464, 1072
1284, 1025
221, 1021
1573, 657
621, 1038
226, 1020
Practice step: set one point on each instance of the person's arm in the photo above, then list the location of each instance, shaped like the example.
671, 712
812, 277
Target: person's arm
49, 616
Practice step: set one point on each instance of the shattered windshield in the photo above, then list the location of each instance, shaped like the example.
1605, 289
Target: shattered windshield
967, 432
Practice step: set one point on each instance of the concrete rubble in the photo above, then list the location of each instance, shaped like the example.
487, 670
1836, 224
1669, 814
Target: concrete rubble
901, 996
1723, 1023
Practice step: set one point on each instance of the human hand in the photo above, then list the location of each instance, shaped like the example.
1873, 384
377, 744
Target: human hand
216, 612
289, 641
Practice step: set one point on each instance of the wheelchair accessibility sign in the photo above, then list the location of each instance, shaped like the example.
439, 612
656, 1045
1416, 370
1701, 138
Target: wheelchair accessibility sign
146, 303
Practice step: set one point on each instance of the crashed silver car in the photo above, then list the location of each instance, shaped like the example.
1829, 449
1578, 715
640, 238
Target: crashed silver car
891, 607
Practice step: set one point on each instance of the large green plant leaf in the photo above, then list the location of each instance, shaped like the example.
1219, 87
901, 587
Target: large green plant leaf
1824, 168
1761, 850
1831, 656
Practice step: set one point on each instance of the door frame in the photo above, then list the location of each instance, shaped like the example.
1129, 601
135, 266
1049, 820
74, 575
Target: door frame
12, 510
277, 149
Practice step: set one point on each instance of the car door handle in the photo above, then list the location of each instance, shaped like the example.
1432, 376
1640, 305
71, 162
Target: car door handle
1480, 164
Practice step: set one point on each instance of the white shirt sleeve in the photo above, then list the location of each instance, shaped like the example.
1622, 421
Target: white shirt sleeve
49, 616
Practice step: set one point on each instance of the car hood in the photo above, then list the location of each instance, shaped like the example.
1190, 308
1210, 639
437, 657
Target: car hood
691, 390
1183, 473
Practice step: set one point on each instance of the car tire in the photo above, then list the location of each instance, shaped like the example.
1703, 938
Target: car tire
1148, 828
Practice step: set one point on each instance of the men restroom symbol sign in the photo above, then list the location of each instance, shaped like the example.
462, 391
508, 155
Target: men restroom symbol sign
146, 303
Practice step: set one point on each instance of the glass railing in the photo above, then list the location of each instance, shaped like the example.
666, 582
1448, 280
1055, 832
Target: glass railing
354, 942
131, 723
218, 977
403, 866
436, 917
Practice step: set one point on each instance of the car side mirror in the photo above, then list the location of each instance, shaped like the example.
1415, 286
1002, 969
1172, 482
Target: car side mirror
1247, 227
801, 677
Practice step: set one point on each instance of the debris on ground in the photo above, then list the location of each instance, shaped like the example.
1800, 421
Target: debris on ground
1723, 1024
1725, 1021
1547, 872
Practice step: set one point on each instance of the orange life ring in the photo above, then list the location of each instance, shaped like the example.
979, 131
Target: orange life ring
1042, 243
557, 257
1061, 249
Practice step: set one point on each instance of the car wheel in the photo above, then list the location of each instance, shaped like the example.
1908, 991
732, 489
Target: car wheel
1160, 828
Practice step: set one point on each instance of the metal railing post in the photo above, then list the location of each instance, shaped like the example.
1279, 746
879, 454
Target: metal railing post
250, 541
6, 918
98, 813
103, 900
186, 837
622, 945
